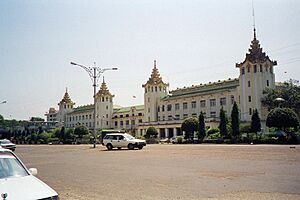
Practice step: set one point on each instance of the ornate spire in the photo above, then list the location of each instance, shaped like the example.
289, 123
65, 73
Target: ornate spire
66, 98
104, 89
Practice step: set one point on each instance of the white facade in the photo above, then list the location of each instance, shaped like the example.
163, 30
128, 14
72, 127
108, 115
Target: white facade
166, 109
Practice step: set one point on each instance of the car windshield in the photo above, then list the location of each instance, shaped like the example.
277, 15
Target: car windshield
4, 142
10, 166
129, 137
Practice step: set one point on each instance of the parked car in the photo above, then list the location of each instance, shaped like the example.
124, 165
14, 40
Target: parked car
122, 140
19, 183
164, 140
7, 144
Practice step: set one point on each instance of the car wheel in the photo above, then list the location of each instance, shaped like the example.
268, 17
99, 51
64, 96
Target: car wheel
119, 148
109, 146
130, 146
140, 146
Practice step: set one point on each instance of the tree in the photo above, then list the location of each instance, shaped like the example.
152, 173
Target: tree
235, 121
223, 123
36, 119
190, 125
282, 118
80, 131
151, 132
69, 136
62, 134
255, 122
289, 91
201, 133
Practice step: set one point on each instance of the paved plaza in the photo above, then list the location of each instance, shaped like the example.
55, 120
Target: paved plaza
166, 171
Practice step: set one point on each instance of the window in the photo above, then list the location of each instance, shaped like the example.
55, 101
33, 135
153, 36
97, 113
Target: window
266, 66
127, 122
248, 69
82, 117
249, 85
250, 111
155, 88
148, 99
249, 98
194, 115
177, 106
223, 101
267, 83
271, 69
121, 116
140, 114
106, 115
194, 104
158, 109
170, 117
140, 120
202, 103
148, 110
213, 114
106, 107
185, 106
243, 70
185, 116
121, 123
260, 68
255, 68
232, 99
204, 114
212, 102
79, 117
163, 108
102, 99
127, 115
177, 117
116, 123
169, 107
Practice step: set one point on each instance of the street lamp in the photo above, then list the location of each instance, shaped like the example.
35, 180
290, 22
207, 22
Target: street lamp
94, 73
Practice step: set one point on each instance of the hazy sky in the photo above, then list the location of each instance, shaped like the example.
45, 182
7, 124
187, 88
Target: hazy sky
193, 42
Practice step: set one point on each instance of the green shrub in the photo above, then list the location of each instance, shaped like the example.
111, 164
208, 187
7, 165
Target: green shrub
214, 136
212, 131
179, 140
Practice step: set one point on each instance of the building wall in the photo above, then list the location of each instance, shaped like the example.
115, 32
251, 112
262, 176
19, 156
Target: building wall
80, 118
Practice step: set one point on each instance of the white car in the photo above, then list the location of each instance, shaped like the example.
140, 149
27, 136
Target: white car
7, 144
120, 140
18, 183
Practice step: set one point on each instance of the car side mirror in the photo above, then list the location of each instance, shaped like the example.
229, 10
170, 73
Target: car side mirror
33, 171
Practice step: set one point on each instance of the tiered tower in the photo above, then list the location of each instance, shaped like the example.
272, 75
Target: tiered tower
256, 74
155, 89
65, 107
104, 107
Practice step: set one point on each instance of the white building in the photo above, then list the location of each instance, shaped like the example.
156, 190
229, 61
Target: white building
165, 110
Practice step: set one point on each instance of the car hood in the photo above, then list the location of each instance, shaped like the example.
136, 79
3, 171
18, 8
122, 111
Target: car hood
137, 140
7, 145
25, 188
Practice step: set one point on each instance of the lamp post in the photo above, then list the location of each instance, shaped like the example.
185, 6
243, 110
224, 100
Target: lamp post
94, 74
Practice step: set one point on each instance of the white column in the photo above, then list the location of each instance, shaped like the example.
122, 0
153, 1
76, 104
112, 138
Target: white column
166, 132
175, 132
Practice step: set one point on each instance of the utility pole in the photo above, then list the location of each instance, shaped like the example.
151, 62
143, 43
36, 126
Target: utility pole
94, 74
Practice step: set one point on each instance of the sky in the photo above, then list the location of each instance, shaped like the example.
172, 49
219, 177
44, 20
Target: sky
193, 41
